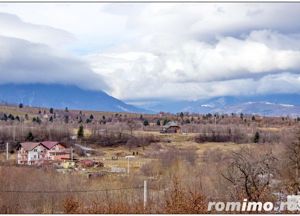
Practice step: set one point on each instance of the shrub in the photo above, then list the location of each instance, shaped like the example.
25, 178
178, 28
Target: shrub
256, 137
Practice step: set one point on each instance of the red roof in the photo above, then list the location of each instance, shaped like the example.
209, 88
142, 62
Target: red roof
28, 146
49, 144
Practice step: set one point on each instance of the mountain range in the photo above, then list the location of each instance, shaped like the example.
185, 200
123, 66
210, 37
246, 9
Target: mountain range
267, 105
61, 96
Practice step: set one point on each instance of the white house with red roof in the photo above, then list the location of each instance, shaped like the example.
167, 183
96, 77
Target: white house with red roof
39, 152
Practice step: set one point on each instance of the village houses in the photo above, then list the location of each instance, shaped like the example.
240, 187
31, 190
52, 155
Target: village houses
38, 153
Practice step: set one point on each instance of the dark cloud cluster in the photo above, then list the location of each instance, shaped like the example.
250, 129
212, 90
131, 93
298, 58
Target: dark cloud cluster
25, 62
31, 54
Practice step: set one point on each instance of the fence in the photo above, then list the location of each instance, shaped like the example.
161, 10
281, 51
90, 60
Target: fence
52, 201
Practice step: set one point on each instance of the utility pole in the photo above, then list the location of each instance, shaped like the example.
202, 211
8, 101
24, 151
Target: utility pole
145, 194
49, 133
52, 204
128, 166
215, 118
14, 133
7, 151
72, 153
128, 158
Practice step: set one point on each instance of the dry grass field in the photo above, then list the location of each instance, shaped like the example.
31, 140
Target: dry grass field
210, 159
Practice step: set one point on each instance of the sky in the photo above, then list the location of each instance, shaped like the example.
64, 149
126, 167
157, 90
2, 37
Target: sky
154, 51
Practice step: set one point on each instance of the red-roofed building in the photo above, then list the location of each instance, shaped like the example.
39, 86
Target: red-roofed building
49, 144
39, 152
56, 151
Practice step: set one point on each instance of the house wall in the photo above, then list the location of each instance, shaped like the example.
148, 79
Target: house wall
61, 156
22, 156
58, 152
37, 154
33, 156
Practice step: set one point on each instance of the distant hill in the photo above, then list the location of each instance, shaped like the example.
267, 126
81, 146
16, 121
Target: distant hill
268, 105
61, 96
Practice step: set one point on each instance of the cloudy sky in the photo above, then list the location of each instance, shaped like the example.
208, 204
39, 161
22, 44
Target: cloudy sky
140, 52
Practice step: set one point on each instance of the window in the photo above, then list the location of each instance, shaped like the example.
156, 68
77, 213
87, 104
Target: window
35, 150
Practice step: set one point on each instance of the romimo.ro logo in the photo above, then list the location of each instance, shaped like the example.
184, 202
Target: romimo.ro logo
292, 204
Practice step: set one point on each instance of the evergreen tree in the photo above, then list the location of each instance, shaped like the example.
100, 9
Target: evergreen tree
256, 137
158, 122
242, 116
146, 122
181, 115
51, 110
66, 119
11, 117
30, 136
80, 132
165, 121
38, 120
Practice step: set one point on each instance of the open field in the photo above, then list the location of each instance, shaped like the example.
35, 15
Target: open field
210, 158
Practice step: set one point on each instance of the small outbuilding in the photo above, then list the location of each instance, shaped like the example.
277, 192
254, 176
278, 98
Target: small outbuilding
171, 127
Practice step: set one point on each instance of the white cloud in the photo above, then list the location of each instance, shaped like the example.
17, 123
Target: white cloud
190, 66
177, 51
191, 51
13, 26
276, 40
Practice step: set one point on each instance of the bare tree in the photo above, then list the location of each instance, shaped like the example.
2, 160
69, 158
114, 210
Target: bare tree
131, 125
251, 173
293, 163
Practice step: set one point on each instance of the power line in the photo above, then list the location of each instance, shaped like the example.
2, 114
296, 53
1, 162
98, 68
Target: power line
69, 191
